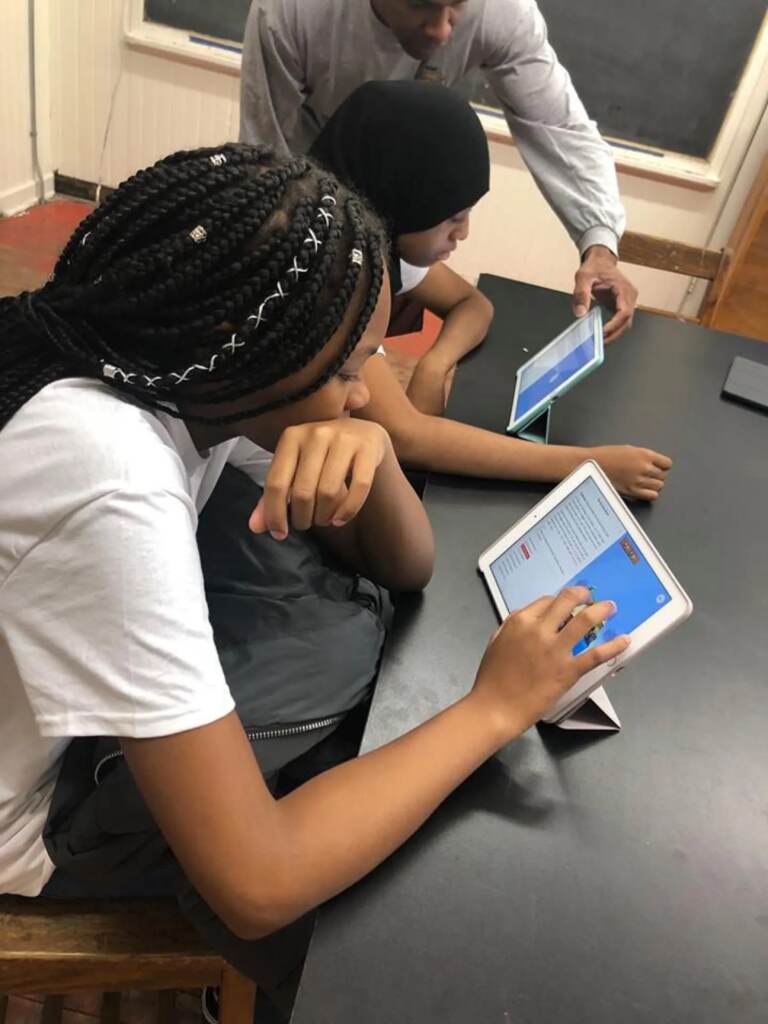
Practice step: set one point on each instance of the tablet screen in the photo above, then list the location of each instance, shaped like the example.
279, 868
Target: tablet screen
556, 365
582, 542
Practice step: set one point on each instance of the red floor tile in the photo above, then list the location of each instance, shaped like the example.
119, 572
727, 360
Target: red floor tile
39, 235
418, 343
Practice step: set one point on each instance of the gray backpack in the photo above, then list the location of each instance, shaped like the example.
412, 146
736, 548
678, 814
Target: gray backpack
299, 638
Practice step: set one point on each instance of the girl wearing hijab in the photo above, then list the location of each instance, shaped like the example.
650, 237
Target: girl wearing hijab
418, 152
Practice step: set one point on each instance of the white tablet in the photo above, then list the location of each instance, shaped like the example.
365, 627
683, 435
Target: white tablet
582, 534
556, 368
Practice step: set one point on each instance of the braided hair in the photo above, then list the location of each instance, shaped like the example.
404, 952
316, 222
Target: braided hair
227, 266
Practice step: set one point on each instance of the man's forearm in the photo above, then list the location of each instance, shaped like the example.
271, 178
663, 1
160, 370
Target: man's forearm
561, 146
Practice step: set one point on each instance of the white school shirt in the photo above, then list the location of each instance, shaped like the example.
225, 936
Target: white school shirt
411, 277
103, 621
302, 58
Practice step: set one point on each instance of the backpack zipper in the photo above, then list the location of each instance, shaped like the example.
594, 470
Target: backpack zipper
100, 765
279, 732
274, 732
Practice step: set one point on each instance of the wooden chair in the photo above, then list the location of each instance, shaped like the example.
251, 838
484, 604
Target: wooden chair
659, 254
54, 946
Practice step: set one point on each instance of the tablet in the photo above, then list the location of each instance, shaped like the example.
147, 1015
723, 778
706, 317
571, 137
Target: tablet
556, 368
582, 534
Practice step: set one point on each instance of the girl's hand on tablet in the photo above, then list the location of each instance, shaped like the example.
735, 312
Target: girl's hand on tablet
634, 472
529, 663
321, 475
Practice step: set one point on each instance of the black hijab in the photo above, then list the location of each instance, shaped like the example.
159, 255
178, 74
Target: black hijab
415, 150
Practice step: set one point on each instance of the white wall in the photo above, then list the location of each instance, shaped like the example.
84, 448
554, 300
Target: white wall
17, 181
516, 234
162, 104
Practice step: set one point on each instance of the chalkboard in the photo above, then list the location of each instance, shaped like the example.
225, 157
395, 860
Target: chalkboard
657, 72
224, 19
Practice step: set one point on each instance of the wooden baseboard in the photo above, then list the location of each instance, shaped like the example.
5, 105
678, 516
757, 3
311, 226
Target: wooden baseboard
76, 188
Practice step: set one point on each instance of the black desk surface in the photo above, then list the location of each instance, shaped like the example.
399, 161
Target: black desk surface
581, 880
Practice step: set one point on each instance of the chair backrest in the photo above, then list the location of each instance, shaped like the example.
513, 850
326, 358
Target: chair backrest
57, 946
661, 254
61, 946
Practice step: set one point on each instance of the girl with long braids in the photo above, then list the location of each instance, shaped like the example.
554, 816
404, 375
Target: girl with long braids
217, 308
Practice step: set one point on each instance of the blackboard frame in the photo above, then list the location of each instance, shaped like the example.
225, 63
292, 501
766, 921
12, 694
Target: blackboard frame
662, 93
204, 22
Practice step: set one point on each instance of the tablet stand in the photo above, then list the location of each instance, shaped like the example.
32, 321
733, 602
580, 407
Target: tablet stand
537, 430
596, 713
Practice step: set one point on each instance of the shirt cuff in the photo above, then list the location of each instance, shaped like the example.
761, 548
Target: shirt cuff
599, 236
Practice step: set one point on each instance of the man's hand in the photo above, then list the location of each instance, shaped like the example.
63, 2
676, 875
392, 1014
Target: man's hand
599, 277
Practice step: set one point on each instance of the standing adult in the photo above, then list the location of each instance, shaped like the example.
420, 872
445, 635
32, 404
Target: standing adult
301, 60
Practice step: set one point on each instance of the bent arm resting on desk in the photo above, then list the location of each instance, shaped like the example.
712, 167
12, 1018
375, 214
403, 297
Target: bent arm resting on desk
342, 478
272, 861
390, 540
446, 446
466, 316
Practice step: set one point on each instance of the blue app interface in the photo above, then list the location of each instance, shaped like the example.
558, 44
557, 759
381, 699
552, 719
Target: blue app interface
582, 542
563, 361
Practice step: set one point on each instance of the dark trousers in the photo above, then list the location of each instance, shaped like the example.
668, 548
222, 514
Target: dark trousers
275, 962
